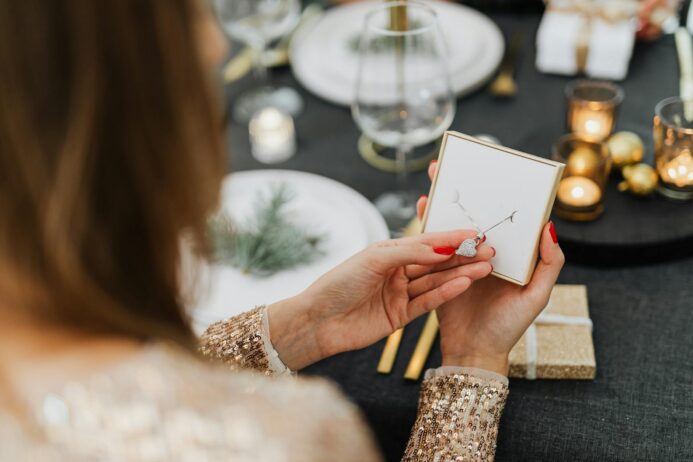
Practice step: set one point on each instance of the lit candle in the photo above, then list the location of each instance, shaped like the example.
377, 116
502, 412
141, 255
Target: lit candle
582, 162
577, 191
592, 124
679, 170
592, 107
272, 135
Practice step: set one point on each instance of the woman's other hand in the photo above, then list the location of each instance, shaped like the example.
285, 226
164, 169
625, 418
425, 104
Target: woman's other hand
479, 327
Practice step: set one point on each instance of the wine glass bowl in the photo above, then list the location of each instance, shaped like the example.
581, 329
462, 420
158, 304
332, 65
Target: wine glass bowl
257, 23
403, 96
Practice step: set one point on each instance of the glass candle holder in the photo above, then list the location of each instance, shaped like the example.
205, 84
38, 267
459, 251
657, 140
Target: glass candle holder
272, 135
581, 190
592, 108
673, 140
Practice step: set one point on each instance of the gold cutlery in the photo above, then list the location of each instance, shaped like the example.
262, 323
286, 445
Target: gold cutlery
423, 347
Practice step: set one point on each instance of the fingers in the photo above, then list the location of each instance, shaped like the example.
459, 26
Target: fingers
434, 298
473, 271
421, 206
432, 167
423, 200
548, 269
483, 253
394, 253
444, 238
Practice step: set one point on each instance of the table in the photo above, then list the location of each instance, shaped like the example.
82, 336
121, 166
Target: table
640, 406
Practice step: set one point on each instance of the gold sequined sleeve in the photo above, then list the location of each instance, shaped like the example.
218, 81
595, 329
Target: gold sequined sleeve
243, 342
458, 415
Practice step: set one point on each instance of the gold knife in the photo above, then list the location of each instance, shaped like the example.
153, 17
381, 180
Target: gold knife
389, 354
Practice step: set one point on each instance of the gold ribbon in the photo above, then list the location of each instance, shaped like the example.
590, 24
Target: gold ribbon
610, 11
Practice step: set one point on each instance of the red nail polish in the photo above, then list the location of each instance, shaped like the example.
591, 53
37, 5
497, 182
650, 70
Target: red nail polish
444, 250
494, 251
423, 196
433, 162
552, 230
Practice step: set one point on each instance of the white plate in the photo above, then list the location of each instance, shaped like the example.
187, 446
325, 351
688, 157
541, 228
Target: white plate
323, 61
346, 218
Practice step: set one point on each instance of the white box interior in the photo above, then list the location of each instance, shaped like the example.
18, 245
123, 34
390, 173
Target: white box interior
492, 183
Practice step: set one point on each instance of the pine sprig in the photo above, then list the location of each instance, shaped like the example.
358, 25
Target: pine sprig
269, 243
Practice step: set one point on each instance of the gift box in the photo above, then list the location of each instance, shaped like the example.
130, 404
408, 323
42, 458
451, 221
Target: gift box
585, 36
558, 345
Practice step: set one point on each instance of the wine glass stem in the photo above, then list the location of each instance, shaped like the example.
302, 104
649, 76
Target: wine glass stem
401, 157
260, 70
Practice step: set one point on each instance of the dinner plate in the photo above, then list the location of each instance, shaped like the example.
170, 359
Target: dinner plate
325, 61
346, 219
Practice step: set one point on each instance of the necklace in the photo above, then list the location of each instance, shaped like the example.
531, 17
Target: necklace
468, 247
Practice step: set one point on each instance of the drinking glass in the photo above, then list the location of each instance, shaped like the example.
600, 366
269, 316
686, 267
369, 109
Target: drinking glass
673, 141
257, 23
403, 94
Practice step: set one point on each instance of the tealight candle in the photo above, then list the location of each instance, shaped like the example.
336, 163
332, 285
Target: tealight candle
673, 137
679, 170
272, 135
581, 191
582, 161
592, 108
578, 191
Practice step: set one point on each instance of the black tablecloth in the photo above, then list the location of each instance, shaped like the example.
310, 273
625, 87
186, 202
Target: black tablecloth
640, 407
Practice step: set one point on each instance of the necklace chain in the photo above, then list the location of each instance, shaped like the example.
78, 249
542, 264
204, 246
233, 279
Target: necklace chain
481, 234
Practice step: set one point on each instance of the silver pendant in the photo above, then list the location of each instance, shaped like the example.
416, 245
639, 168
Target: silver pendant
468, 247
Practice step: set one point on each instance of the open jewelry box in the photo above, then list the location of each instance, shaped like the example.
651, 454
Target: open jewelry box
503, 194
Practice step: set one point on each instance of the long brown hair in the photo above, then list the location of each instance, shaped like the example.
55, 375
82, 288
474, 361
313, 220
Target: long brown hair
110, 151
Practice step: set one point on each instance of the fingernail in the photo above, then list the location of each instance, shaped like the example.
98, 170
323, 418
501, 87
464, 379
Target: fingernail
494, 251
444, 250
552, 230
483, 239
492, 268
433, 162
423, 196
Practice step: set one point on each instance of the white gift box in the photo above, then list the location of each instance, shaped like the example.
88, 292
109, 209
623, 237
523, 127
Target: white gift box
595, 38
492, 182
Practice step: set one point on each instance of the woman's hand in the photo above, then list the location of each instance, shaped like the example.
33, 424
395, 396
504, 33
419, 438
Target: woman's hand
372, 294
480, 327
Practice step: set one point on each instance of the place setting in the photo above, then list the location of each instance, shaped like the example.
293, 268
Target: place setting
401, 75
349, 230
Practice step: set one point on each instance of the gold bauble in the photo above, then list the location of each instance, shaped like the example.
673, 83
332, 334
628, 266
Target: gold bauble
625, 148
639, 179
582, 162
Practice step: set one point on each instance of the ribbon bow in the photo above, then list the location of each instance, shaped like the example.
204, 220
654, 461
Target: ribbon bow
547, 319
612, 11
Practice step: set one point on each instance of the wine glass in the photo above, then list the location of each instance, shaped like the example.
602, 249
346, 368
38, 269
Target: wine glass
257, 23
403, 95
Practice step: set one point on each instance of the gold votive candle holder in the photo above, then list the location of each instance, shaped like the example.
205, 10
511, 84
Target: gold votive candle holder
673, 141
580, 195
592, 108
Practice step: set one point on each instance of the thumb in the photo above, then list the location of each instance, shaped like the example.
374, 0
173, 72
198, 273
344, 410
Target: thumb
548, 269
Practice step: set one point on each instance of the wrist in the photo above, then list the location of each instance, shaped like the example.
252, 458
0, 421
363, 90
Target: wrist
494, 363
292, 334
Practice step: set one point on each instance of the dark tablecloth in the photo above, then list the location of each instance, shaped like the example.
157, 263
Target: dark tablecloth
640, 406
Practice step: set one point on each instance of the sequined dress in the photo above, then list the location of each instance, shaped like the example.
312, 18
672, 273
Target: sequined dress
167, 405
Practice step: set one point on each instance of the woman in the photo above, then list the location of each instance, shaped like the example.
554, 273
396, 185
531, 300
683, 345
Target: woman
110, 156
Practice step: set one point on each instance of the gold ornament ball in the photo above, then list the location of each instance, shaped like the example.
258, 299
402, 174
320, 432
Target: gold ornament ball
639, 179
626, 148
582, 162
